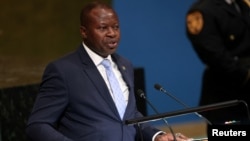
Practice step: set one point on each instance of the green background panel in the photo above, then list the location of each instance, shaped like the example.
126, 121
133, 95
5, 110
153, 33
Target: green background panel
32, 33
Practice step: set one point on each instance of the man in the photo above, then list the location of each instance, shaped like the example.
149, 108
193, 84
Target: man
219, 31
76, 102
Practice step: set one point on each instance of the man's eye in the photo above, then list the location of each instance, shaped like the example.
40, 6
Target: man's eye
103, 28
116, 27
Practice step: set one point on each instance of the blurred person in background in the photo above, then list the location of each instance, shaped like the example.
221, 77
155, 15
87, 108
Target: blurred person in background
219, 32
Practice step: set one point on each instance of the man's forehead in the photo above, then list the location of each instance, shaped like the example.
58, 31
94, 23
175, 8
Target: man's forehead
100, 10
103, 13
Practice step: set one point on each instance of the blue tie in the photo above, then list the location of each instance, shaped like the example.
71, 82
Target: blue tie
116, 90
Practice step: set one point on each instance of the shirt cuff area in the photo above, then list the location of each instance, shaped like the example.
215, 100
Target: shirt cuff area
158, 133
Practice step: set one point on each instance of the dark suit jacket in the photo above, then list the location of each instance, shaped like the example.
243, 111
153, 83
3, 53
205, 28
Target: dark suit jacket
74, 103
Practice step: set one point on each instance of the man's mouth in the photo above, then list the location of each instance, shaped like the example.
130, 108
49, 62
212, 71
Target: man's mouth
112, 44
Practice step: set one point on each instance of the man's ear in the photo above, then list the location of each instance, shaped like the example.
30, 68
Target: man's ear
83, 32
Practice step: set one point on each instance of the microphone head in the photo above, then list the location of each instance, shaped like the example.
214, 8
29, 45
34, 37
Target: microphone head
140, 93
158, 87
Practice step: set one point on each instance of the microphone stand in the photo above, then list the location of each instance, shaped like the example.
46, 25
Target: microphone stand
141, 94
160, 88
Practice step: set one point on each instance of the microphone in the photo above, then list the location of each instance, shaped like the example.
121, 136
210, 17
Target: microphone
160, 88
141, 94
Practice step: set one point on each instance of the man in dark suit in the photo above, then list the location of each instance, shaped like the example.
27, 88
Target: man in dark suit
219, 31
75, 100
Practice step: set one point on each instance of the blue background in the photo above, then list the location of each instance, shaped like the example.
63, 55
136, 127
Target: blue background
153, 37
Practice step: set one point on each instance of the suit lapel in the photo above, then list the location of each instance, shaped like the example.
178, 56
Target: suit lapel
123, 69
228, 7
233, 10
92, 72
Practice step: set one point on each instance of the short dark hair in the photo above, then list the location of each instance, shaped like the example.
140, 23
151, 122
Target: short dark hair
87, 8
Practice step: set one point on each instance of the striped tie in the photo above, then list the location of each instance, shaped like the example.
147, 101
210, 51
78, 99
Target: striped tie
116, 90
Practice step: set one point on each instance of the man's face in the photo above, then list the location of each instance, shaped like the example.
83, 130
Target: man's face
101, 33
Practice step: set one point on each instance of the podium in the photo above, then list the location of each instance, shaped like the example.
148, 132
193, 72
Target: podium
138, 121
183, 112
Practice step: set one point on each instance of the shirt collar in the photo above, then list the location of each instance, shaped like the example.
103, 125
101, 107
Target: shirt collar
97, 59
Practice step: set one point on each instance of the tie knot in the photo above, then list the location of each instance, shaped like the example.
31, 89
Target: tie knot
106, 63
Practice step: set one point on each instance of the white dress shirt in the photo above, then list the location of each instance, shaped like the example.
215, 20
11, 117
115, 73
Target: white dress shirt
97, 59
